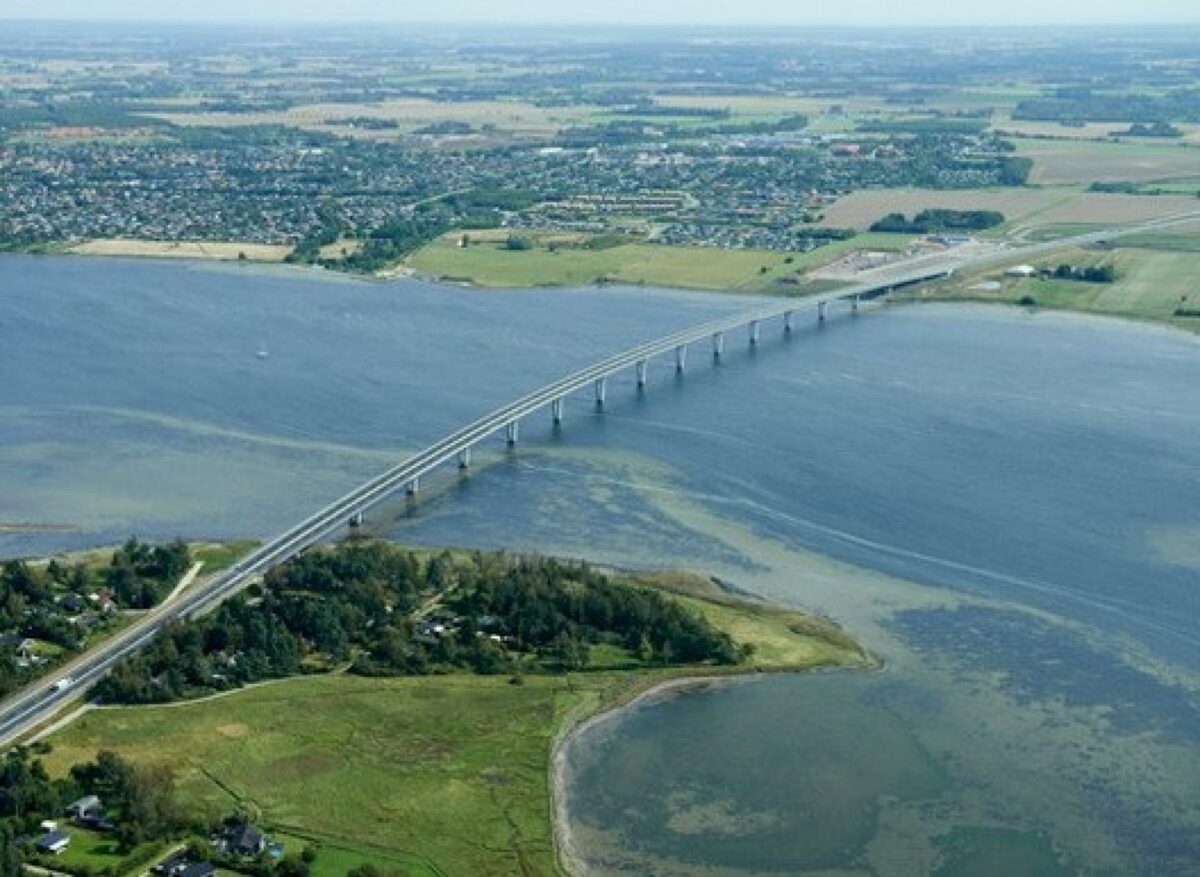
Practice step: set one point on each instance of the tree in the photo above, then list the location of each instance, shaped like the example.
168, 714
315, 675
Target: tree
25, 790
571, 651
12, 861
142, 795
292, 866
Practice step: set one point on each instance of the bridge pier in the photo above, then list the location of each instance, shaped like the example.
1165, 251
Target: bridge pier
413, 487
556, 411
641, 374
854, 304
680, 358
464, 458
820, 312
718, 340
356, 519
601, 391
787, 322
512, 433
753, 332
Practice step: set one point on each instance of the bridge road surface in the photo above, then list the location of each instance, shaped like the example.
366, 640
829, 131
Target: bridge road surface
43, 698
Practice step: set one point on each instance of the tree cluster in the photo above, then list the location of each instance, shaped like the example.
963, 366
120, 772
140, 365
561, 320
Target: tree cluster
939, 220
1150, 129
558, 609
141, 575
1089, 274
384, 611
1084, 104
139, 800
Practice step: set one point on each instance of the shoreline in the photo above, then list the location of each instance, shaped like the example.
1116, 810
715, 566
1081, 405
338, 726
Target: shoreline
574, 727
403, 271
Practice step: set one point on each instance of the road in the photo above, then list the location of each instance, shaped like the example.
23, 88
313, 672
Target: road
45, 697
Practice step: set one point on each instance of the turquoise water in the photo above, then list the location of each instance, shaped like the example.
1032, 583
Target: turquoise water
1005, 507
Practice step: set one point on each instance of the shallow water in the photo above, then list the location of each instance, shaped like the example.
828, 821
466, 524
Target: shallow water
1004, 507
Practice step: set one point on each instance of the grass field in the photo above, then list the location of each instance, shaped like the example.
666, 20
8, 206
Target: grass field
486, 262
422, 776
227, 250
1150, 284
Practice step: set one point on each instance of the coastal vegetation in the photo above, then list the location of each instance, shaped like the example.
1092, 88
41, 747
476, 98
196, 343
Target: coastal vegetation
369, 769
380, 610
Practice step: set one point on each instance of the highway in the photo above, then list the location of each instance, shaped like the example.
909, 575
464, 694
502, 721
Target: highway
45, 697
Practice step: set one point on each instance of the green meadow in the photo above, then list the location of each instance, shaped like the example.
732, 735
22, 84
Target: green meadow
417, 775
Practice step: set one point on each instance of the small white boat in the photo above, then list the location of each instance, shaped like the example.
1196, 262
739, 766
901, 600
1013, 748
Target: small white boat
262, 352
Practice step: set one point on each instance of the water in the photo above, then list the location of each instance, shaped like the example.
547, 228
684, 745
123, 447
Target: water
1005, 507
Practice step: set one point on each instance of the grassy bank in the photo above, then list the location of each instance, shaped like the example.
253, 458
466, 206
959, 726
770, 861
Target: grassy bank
563, 259
421, 775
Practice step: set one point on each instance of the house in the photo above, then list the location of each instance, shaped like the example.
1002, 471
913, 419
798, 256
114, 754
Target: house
22, 646
244, 839
198, 869
103, 600
53, 842
72, 603
87, 807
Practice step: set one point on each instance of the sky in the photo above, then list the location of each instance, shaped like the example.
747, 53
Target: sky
698, 12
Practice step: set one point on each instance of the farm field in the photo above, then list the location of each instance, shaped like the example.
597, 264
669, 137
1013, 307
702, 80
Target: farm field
1058, 162
860, 209
223, 251
487, 262
511, 116
1088, 131
375, 769
1023, 208
1106, 209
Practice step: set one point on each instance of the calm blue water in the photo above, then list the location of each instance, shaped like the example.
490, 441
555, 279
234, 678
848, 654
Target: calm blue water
1018, 499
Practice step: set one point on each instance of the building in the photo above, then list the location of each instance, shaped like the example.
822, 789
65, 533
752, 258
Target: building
53, 842
1020, 271
244, 839
87, 807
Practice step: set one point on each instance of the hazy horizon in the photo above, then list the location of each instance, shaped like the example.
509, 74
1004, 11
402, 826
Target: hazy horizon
622, 12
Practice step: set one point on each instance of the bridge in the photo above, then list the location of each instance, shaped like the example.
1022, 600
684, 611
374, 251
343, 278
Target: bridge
43, 698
